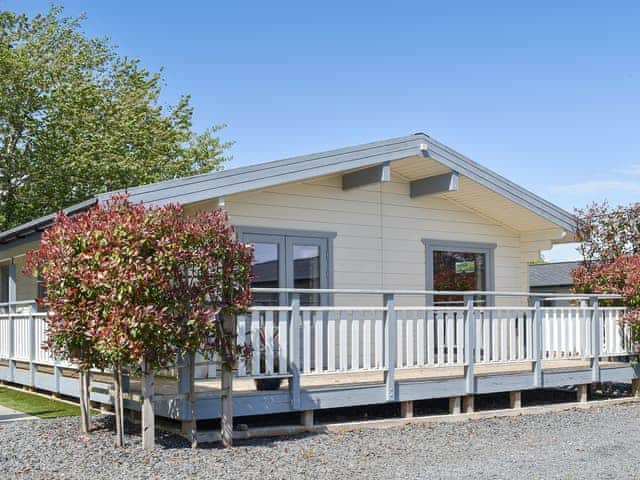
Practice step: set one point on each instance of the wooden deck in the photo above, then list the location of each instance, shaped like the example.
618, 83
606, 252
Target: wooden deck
168, 387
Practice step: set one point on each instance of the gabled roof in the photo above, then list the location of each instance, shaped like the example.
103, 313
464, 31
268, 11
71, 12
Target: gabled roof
263, 175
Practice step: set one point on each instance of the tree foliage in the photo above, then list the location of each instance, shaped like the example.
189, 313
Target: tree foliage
77, 119
139, 286
610, 244
606, 232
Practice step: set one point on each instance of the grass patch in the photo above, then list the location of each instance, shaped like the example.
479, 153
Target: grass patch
36, 405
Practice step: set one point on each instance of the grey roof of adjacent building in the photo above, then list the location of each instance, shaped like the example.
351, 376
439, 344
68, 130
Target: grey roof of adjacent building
264, 175
557, 274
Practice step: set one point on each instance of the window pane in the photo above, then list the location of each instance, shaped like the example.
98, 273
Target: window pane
306, 271
458, 271
266, 272
4, 283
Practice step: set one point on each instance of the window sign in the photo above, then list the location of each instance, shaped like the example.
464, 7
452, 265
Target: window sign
466, 267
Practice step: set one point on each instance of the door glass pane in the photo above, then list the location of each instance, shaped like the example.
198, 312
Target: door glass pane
4, 283
458, 271
266, 272
306, 271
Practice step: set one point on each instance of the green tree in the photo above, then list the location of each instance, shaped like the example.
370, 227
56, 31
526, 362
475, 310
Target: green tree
77, 119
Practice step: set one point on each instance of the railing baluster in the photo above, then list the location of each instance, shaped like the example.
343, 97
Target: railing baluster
331, 342
409, 322
283, 344
420, 337
306, 341
318, 324
268, 340
366, 339
255, 342
430, 337
379, 340
344, 346
355, 341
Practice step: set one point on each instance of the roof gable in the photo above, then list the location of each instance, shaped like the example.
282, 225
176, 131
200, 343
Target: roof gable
227, 182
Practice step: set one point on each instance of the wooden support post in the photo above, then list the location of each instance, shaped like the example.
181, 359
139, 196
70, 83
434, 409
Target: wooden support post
515, 399
582, 393
294, 353
596, 332
468, 403
537, 343
406, 409
390, 346
635, 387
306, 418
454, 405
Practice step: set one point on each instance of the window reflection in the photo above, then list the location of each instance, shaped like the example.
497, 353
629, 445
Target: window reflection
306, 272
458, 271
266, 272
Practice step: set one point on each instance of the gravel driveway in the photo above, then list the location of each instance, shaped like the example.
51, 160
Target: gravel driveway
597, 443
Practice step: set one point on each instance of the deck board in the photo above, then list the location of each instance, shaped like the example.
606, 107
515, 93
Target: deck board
168, 386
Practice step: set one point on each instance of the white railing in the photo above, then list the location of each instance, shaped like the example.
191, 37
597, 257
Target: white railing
294, 339
23, 334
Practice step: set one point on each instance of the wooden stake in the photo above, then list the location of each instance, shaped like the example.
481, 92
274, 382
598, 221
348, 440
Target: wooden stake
226, 400
148, 413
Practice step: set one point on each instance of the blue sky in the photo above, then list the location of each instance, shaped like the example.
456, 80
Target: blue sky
548, 96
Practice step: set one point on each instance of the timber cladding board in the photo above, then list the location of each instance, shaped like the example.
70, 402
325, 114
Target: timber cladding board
379, 229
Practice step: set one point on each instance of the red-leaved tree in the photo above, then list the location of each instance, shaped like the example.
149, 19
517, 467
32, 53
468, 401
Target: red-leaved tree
610, 245
120, 281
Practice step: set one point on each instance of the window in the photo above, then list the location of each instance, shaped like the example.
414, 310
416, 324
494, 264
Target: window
459, 266
289, 259
4, 283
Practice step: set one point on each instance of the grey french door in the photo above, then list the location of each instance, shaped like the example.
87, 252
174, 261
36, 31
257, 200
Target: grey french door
288, 261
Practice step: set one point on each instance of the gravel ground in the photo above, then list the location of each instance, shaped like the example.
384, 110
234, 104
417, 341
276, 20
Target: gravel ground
597, 443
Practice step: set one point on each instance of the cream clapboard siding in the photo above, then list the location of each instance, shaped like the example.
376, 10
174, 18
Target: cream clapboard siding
379, 230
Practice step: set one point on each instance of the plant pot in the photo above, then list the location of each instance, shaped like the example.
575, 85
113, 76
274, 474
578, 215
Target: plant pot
268, 383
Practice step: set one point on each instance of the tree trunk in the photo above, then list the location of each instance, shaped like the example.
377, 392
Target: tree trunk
84, 381
148, 413
193, 424
226, 422
117, 383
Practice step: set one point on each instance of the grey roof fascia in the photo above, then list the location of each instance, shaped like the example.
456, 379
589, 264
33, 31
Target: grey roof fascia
275, 174
499, 184
42, 222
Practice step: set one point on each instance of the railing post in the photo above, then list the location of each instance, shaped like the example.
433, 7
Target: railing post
294, 353
469, 344
537, 343
11, 312
390, 346
32, 347
12, 344
596, 339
